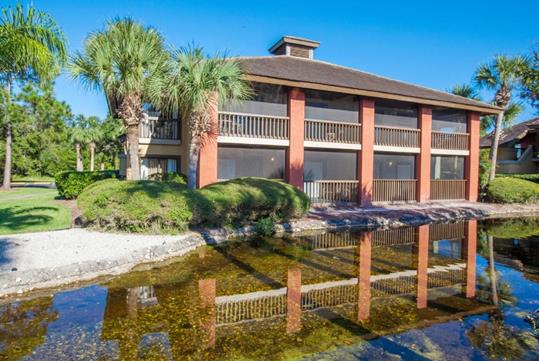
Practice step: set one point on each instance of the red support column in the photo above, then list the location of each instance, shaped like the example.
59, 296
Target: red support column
296, 113
293, 295
423, 158
471, 251
366, 159
472, 161
422, 266
207, 159
364, 277
206, 290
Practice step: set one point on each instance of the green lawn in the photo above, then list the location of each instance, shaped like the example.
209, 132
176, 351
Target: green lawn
32, 210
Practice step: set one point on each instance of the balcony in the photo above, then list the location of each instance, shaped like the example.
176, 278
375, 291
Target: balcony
253, 126
332, 132
449, 141
396, 137
447, 189
159, 131
332, 191
394, 190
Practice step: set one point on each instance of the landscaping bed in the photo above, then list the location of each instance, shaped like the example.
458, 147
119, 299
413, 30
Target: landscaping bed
170, 207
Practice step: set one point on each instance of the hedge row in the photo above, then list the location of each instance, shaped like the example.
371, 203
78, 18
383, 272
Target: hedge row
168, 207
530, 177
71, 183
512, 190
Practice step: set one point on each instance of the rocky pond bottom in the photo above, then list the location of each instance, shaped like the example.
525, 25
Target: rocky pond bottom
467, 290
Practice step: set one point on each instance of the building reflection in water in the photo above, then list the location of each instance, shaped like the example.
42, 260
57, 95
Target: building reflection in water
455, 242
439, 261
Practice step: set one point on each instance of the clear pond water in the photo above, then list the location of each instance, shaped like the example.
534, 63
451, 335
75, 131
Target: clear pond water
440, 292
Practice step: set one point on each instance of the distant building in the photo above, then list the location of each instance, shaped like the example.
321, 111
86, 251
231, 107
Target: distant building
337, 133
518, 151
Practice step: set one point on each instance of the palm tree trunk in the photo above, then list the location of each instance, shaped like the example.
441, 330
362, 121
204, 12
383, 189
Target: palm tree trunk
6, 185
132, 140
494, 146
194, 151
492, 271
80, 166
92, 156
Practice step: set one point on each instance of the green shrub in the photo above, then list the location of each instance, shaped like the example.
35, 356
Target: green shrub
70, 183
169, 177
512, 190
137, 206
157, 207
530, 177
247, 199
265, 227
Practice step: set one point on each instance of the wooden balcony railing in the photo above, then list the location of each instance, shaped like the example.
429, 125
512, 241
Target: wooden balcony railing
329, 191
394, 190
160, 129
330, 131
253, 125
449, 141
440, 231
447, 189
396, 137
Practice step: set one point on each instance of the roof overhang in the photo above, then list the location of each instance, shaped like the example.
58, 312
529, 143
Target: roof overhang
369, 93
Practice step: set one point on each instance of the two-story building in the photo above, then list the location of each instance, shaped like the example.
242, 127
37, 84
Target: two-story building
337, 133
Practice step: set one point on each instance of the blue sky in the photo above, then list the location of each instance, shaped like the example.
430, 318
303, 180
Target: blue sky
431, 43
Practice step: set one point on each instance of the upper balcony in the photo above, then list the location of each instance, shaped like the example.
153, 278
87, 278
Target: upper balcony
159, 131
241, 127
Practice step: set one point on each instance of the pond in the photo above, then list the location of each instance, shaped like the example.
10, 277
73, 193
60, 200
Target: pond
440, 292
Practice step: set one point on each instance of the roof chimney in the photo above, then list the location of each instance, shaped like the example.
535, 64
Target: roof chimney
294, 46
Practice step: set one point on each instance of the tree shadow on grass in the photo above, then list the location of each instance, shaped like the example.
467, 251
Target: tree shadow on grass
17, 218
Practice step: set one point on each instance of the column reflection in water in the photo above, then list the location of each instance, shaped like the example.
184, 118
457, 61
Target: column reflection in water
293, 296
206, 289
422, 266
364, 277
471, 252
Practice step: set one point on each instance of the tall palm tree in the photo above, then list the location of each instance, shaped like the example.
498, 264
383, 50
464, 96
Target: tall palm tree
94, 134
195, 83
121, 61
501, 75
78, 135
32, 46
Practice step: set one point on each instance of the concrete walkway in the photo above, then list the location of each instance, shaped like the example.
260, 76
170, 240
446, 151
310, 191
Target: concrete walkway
47, 259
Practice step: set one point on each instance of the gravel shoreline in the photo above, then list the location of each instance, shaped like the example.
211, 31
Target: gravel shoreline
49, 259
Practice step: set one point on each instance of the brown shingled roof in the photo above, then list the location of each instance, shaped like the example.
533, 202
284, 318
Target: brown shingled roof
288, 68
514, 133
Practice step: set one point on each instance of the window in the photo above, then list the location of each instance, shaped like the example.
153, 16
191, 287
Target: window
153, 165
327, 165
449, 120
234, 162
331, 106
395, 114
268, 99
447, 167
394, 166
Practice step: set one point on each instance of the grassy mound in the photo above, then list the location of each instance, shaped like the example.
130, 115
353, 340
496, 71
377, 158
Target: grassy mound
165, 207
512, 190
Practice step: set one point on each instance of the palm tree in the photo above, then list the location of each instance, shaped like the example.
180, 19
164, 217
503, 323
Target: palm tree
195, 83
466, 91
110, 143
79, 136
501, 75
32, 46
94, 133
121, 61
